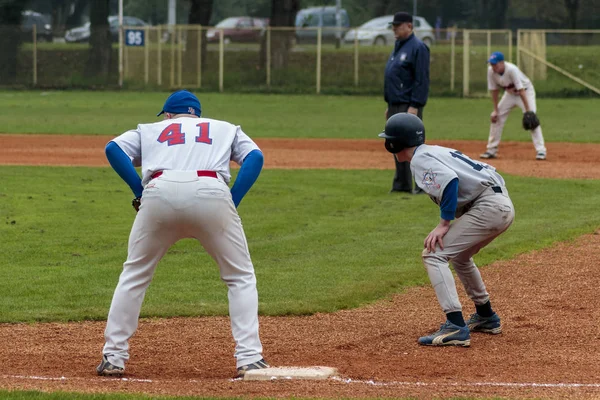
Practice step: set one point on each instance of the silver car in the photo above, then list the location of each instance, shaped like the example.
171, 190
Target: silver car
378, 32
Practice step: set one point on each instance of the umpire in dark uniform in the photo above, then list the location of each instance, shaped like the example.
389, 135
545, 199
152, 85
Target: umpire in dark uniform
406, 86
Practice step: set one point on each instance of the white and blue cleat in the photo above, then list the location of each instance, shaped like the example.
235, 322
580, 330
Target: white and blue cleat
448, 335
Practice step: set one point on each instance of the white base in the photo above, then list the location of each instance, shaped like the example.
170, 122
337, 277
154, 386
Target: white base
267, 374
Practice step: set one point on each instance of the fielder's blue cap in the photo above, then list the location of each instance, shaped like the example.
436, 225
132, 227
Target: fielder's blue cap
182, 102
496, 57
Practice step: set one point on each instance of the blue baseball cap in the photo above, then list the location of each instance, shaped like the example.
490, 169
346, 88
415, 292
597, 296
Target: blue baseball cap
182, 102
496, 57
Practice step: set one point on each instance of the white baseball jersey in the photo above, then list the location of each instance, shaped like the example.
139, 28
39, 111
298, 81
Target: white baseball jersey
434, 167
512, 80
186, 144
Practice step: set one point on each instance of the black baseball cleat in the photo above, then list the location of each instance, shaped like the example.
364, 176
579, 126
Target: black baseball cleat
107, 369
260, 364
490, 324
487, 155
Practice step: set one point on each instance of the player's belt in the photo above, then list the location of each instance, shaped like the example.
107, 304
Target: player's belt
210, 174
497, 189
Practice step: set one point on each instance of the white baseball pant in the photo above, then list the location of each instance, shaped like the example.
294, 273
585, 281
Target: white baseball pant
178, 205
506, 104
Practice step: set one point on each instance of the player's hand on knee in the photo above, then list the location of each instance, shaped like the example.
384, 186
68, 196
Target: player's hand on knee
435, 237
430, 242
494, 117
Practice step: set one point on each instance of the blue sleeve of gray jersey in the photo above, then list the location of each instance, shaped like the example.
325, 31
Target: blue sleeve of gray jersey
449, 200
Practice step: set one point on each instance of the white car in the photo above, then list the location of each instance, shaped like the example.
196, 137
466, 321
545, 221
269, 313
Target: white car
378, 32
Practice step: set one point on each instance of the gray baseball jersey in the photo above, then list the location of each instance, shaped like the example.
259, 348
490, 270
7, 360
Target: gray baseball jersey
434, 167
489, 212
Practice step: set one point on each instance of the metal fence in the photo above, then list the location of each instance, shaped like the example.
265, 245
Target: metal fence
313, 60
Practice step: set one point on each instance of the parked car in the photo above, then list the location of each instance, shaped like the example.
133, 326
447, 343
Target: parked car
378, 32
238, 29
82, 33
43, 27
323, 17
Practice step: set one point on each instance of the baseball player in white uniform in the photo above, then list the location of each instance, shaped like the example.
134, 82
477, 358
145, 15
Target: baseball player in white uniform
518, 92
474, 209
184, 193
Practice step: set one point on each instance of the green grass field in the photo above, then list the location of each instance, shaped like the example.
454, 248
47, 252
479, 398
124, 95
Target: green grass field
321, 241
302, 116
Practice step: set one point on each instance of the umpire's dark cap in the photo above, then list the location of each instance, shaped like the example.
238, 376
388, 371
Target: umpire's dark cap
182, 102
401, 17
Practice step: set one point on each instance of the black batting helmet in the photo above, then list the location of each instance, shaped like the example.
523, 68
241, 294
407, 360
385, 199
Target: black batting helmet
403, 130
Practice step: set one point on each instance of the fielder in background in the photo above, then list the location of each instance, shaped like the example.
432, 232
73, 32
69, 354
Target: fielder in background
474, 209
406, 86
518, 92
184, 193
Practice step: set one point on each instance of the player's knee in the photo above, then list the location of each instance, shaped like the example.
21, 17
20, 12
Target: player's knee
433, 258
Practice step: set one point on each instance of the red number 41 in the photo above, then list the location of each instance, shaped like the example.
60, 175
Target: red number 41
172, 134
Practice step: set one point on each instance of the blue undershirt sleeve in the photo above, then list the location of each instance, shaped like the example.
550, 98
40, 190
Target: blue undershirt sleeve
122, 165
248, 174
449, 200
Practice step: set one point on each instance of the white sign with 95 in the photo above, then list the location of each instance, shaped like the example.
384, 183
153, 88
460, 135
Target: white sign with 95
134, 37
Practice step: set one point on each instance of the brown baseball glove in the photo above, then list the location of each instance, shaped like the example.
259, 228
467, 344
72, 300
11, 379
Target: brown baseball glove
530, 121
136, 203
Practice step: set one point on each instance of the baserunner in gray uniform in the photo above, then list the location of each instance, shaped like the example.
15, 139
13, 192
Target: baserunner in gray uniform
474, 209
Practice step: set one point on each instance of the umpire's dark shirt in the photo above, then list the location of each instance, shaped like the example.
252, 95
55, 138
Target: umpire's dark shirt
407, 73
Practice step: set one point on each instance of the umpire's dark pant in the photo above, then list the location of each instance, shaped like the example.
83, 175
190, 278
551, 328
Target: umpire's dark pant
403, 181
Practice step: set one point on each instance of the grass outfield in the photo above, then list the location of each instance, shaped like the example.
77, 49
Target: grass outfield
111, 113
320, 241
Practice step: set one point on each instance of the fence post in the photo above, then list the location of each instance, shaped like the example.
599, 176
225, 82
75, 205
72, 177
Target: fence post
543, 70
510, 50
125, 57
120, 53
159, 50
533, 45
34, 41
319, 60
489, 43
179, 29
172, 33
221, 60
452, 57
466, 60
268, 56
199, 56
356, 58
519, 49
146, 54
